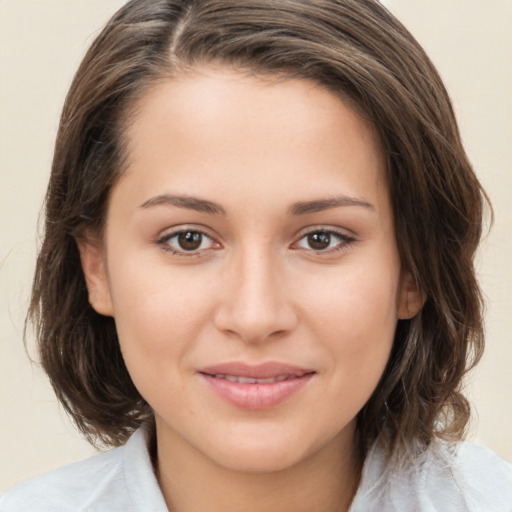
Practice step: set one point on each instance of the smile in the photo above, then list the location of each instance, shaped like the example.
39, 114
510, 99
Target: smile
255, 387
252, 380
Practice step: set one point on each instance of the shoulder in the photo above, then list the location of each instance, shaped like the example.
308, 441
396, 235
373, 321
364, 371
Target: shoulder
118, 480
462, 477
59, 489
483, 477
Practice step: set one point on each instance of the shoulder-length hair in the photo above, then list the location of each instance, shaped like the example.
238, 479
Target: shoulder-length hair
357, 50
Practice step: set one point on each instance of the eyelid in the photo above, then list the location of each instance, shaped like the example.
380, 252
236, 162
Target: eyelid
163, 238
347, 237
324, 228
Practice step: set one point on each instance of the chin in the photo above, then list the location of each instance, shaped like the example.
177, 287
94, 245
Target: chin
263, 458
265, 450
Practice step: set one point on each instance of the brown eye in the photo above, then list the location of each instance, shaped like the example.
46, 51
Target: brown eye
319, 241
190, 240
187, 242
322, 241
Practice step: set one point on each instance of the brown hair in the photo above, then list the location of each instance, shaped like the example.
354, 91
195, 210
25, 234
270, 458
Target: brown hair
356, 49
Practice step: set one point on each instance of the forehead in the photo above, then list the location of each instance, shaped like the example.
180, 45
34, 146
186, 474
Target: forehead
216, 126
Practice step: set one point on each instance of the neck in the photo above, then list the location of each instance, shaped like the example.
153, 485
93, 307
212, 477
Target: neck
325, 481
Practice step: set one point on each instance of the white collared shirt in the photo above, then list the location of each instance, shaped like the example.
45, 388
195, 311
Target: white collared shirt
464, 478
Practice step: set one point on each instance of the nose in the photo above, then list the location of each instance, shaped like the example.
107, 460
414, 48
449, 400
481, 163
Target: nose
256, 304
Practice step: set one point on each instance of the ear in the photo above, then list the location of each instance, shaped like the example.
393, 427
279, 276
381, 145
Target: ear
94, 267
411, 297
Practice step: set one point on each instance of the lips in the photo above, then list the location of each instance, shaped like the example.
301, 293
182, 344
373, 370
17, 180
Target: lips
256, 387
252, 380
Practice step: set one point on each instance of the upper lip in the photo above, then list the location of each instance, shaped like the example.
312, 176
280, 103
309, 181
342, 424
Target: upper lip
259, 371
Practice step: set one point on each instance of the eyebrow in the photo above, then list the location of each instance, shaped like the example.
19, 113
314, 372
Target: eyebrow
190, 203
299, 208
305, 207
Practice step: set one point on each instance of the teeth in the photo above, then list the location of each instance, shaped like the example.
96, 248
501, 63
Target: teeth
251, 380
247, 380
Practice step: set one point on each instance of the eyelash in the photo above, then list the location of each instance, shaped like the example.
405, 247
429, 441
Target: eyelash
344, 241
163, 242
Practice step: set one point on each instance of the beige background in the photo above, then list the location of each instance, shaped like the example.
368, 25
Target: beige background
41, 42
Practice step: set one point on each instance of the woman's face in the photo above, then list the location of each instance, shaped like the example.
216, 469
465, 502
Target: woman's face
250, 263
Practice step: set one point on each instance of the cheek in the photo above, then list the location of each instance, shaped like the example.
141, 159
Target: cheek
159, 311
159, 320
357, 299
355, 317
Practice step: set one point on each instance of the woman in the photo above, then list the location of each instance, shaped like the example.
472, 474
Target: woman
239, 266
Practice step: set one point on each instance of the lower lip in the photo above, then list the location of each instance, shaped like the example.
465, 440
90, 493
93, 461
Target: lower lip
256, 396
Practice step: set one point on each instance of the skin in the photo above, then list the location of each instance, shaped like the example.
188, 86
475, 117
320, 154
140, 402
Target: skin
281, 160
